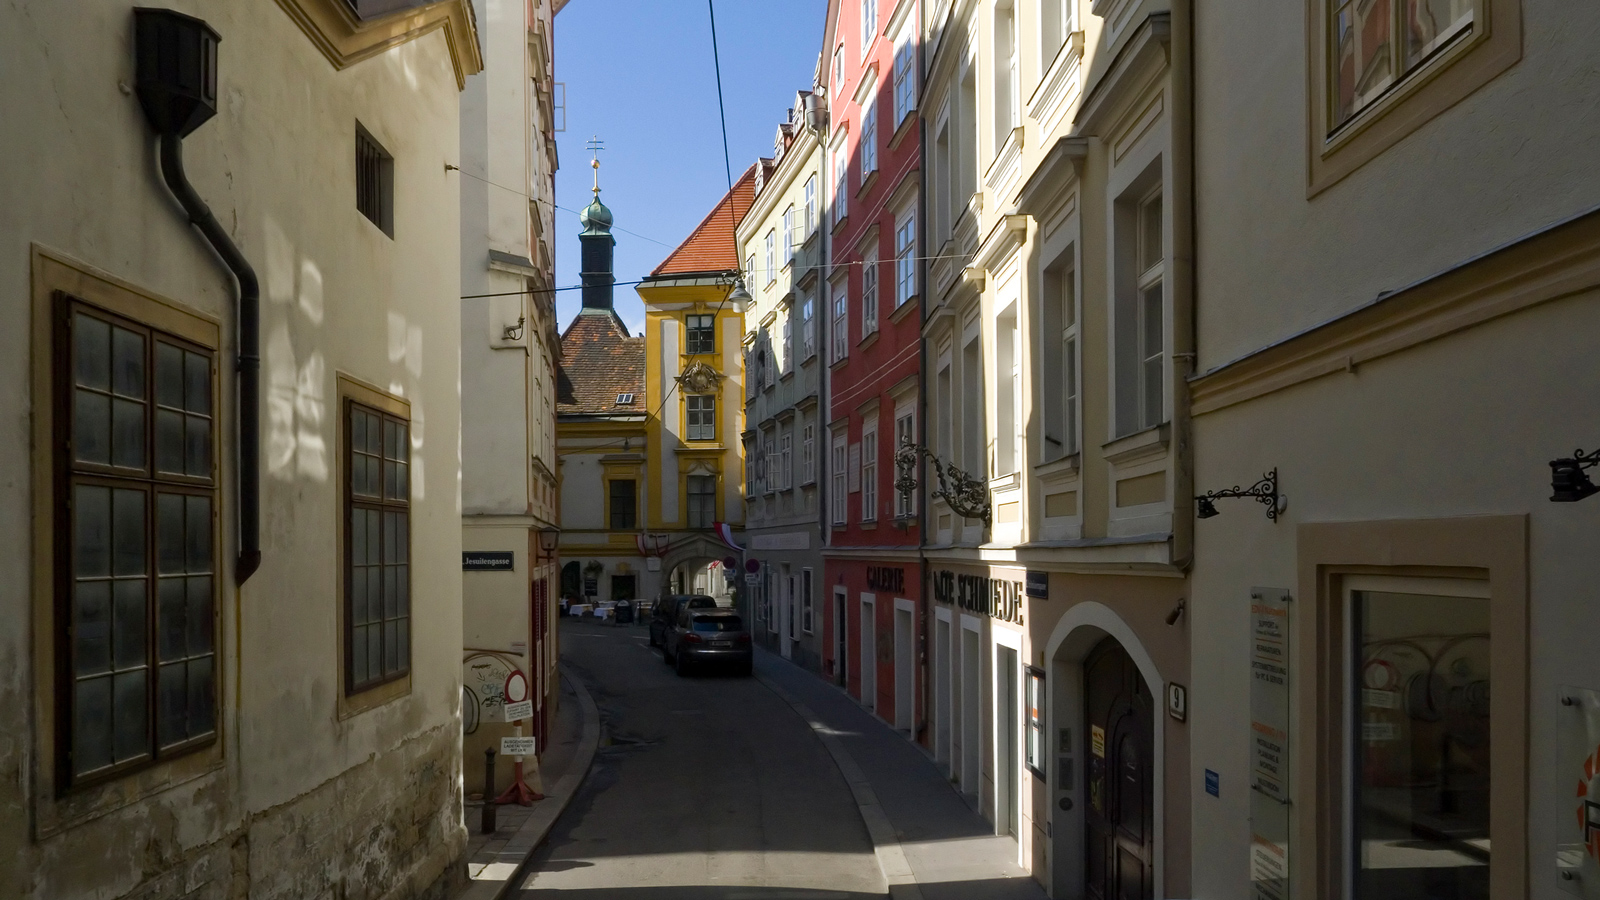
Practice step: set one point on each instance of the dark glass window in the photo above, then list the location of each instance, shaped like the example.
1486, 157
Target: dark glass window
374, 182
137, 597
624, 504
702, 500
377, 548
701, 334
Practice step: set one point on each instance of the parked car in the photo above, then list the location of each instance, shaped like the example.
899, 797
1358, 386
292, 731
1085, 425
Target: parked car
701, 635
665, 612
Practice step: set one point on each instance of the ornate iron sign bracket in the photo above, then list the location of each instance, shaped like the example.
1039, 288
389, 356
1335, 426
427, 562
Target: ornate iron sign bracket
968, 497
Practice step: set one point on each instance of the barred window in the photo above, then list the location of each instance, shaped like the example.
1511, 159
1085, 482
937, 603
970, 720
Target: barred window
378, 524
137, 586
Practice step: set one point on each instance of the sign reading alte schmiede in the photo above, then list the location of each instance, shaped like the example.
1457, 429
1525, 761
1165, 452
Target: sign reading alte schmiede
994, 597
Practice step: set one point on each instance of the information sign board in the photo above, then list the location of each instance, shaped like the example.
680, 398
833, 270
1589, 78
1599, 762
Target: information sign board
517, 746
516, 712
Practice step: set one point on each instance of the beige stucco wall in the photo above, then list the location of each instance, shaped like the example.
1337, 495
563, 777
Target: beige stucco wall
304, 803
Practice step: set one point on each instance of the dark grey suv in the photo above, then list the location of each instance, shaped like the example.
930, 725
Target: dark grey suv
665, 612
707, 636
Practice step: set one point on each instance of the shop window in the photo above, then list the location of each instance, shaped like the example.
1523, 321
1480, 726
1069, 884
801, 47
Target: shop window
1033, 721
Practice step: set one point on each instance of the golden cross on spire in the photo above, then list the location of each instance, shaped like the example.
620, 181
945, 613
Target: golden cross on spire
595, 146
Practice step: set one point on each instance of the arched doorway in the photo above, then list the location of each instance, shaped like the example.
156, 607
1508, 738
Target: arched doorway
1119, 782
571, 579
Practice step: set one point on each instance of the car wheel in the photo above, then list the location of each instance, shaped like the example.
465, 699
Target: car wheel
682, 665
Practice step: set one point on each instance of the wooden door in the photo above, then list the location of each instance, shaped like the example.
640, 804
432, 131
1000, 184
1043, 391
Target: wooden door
1119, 783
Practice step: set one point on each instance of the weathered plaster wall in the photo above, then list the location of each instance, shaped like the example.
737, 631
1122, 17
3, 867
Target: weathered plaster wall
304, 803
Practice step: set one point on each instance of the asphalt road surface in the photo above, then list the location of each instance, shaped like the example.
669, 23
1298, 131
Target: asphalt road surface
705, 788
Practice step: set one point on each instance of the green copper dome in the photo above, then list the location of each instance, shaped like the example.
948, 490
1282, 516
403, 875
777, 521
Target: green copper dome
595, 218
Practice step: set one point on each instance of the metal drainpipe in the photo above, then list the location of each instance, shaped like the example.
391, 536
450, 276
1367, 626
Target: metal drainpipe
249, 360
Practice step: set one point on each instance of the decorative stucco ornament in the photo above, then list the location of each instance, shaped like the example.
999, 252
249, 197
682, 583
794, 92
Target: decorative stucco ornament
700, 378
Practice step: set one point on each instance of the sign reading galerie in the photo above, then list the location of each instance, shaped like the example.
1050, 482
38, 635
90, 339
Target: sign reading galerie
889, 579
997, 598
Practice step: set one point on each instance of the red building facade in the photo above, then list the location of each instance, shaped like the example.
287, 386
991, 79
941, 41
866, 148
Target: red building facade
876, 616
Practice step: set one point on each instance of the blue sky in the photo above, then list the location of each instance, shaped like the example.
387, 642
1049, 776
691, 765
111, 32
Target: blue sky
639, 74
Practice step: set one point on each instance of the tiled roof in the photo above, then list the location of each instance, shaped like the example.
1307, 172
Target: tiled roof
711, 247
599, 361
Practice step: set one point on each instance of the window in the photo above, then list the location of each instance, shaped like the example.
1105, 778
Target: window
702, 417
966, 160
1418, 686
701, 334
1141, 325
772, 263
750, 271
769, 459
905, 263
838, 70
808, 327
785, 461
841, 324
972, 424
702, 491
624, 504
869, 137
905, 81
841, 168
1375, 45
869, 475
806, 622
1005, 73
785, 340
944, 409
1033, 721
808, 454
1058, 371
377, 574
137, 616
624, 399
837, 493
374, 182
1055, 26
905, 432
752, 376
752, 484
1008, 392
941, 179
869, 24
811, 205
788, 235
869, 294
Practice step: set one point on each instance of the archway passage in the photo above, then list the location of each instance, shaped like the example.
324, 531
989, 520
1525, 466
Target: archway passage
1119, 821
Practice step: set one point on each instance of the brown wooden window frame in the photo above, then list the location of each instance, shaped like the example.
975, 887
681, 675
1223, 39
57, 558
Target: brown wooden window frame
69, 474
393, 498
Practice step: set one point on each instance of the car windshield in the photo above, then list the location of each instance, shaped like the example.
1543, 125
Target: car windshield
700, 603
717, 623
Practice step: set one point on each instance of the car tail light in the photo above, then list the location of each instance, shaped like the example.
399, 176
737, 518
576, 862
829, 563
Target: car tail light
744, 637
692, 638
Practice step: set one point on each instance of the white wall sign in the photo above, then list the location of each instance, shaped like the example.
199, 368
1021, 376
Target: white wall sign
517, 746
1269, 744
1177, 701
1577, 777
516, 712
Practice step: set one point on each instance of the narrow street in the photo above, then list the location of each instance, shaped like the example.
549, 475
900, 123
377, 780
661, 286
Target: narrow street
705, 787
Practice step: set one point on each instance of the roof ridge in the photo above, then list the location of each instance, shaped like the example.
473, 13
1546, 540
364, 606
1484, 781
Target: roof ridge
730, 199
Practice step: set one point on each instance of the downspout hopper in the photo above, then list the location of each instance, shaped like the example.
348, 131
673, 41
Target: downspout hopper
177, 86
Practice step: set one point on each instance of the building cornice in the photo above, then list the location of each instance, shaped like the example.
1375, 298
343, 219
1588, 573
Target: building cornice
346, 40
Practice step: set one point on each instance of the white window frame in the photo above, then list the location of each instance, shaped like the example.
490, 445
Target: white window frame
905, 430
869, 293
808, 330
1151, 278
769, 481
750, 270
905, 253
905, 81
869, 25
772, 250
811, 205
869, 471
1008, 389
785, 340
700, 406
1057, 19
689, 495
841, 323
841, 179
785, 461
837, 489
808, 454
869, 135
1059, 371
807, 615
788, 235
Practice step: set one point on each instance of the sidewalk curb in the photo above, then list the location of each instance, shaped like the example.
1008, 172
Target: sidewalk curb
897, 874
512, 862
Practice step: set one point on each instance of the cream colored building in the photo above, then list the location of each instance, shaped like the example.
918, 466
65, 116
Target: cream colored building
173, 719
781, 242
509, 354
1055, 353
1397, 314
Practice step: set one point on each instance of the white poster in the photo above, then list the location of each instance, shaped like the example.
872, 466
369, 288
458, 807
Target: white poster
1269, 744
1577, 774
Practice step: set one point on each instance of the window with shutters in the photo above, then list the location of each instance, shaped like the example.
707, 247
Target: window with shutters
377, 546
137, 573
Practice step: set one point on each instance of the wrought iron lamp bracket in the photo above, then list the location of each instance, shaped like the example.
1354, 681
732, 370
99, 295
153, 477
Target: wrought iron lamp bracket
968, 497
1568, 483
1264, 492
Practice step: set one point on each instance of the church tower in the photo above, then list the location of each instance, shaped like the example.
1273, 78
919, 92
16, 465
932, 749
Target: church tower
598, 248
